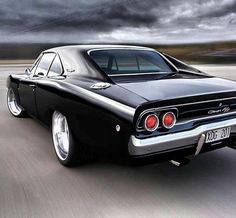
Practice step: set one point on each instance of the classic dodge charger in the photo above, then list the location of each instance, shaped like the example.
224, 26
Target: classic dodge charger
125, 101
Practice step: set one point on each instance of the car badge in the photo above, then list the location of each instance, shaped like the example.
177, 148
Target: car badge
224, 109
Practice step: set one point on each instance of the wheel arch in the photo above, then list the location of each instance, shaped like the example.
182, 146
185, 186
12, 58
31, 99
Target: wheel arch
13, 83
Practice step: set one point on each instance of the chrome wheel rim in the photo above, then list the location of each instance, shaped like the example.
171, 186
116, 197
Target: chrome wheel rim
12, 103
61, 135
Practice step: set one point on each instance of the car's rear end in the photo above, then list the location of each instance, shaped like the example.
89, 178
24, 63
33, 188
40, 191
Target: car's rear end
175, 128
186, 112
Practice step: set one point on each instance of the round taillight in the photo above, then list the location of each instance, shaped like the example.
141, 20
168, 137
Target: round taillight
151, 122
168, 120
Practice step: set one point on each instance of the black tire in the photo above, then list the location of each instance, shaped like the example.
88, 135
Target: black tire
13, 106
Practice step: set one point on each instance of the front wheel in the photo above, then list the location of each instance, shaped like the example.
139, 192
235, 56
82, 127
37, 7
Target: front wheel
68, 152
14, 108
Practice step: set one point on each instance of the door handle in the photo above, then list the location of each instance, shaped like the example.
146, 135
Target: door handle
31, 85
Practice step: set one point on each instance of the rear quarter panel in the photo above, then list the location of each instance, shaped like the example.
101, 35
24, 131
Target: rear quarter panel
90, 123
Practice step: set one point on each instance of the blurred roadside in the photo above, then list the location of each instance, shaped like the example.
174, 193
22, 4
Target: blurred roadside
205, 53
16, 62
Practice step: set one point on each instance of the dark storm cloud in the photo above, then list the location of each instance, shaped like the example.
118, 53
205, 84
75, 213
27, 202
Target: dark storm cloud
131, 20
222, 11
94, 17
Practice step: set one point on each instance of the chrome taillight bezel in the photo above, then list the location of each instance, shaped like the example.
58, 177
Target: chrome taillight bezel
156, 126
158, 112
163, 117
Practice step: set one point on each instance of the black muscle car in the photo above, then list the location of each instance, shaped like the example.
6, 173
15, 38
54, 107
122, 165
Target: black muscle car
126, 101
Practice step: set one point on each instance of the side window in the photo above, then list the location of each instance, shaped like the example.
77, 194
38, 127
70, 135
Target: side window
44, 64
56, 67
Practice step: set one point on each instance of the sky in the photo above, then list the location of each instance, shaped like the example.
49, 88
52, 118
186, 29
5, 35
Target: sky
117, 21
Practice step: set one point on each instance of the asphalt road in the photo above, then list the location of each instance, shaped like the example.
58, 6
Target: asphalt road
34, 184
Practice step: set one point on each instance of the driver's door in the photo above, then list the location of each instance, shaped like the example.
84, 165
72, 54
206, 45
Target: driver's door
28, 86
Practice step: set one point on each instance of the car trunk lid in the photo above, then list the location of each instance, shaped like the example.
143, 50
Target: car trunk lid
155, 90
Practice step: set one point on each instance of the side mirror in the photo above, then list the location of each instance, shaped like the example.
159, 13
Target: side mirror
27, 71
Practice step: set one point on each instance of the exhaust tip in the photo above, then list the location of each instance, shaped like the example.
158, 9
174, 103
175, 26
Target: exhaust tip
180, 162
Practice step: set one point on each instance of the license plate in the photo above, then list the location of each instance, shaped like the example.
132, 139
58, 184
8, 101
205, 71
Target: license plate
218, 134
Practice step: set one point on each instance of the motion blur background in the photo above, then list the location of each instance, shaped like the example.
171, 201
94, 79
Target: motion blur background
195, 31
34, 184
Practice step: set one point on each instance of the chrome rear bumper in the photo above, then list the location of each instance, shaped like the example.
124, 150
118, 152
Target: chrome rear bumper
174, 141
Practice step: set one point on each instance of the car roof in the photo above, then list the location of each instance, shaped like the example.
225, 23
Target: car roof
94, 46
73, 58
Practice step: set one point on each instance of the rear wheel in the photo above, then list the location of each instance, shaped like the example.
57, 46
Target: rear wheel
14, 108
68, 152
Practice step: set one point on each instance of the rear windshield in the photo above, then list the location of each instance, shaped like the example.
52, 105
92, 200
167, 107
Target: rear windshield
119, 62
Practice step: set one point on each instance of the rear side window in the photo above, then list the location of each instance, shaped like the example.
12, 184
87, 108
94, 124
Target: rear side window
56, 67
44, 64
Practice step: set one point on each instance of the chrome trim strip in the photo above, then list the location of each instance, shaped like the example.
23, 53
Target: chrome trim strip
192, 103
205, 118
104, 100
99, 99
180, 140
119, 48
138, 74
